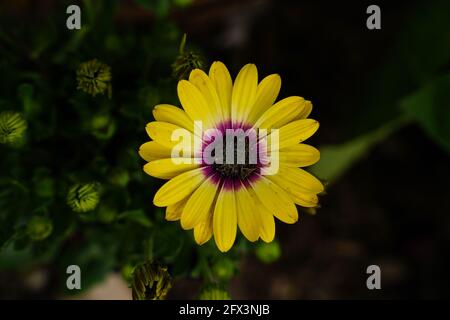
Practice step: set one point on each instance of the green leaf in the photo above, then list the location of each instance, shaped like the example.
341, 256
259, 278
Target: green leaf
336, 159
430, 107
421, 51
30, 106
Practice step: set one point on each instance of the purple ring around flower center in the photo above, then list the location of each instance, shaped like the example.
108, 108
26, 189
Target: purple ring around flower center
233, 155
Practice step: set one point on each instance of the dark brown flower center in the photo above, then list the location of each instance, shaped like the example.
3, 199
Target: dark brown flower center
236, 168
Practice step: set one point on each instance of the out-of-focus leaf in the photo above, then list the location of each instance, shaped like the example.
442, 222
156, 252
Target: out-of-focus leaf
94, 259
430, 107
25, 93
137, 216
159, 7
44, 184
72, 45
169, 242
7, 235
411, 65
419, 54
12, 259
336, 159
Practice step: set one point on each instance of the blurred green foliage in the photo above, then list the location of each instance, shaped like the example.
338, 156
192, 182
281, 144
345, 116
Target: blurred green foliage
51, 212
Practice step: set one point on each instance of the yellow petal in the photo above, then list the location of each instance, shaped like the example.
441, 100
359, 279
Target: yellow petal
174, 115
178, 188
306, 110
173, 212
275, 199
247, 214
281, 113
167, 168
225, 220
204, 230
267, 226
152, 150
295, 132
220, 77
291, 182
195, 104
244, 92
307, 200
299, 155
267, 222
266, 94
199, 79
165, 134
300, 178
199, 204
298, 194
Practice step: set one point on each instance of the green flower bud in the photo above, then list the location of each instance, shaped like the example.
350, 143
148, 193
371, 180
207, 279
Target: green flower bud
119, 177
43, 183
102, 126
127, 272
268, 252
186, 62
100, 121
94, 77
151, 281
12, 127
224, 269
84, 197
214, 293
39, 228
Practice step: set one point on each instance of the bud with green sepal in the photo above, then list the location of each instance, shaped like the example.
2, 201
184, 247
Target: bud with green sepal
12, 127
127, 272
224, 269
268, 252
38, 228
102, 126
94, 77
84, 197
186, 61
214, 292
151, 281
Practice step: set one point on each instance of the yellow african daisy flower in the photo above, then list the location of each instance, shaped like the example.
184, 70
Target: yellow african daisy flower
211, 196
